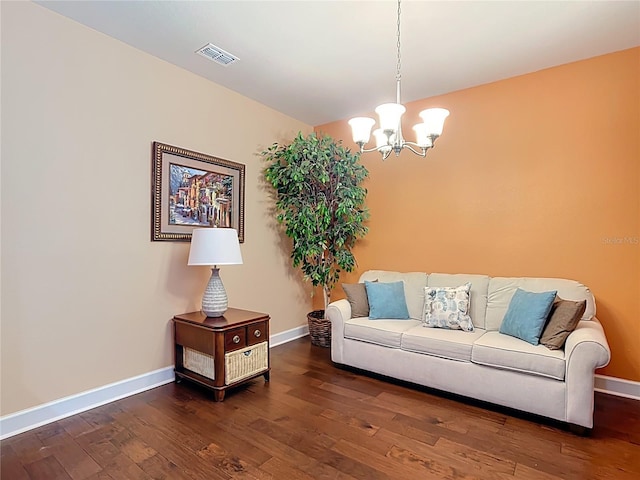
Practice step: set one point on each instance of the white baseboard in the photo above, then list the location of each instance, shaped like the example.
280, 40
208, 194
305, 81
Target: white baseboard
34, 417
289, 335
617, 386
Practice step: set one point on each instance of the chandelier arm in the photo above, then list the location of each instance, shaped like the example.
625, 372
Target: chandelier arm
410, 145
374, 149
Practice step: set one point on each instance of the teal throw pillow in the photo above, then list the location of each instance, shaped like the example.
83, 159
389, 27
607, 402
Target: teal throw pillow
386, 300
527, 314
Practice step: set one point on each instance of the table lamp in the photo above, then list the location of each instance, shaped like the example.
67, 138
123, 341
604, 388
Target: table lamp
213, 247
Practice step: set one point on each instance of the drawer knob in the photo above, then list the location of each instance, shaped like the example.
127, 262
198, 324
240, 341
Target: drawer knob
257, 333
236, 339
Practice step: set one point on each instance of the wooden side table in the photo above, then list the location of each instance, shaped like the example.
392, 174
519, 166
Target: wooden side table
221, 352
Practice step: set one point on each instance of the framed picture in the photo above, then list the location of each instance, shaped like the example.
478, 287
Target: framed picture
193, 190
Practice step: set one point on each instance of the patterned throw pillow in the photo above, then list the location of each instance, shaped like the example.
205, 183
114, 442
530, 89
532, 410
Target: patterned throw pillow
447, 307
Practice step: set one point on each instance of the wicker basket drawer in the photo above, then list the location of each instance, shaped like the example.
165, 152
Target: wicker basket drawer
199, 362
246, 362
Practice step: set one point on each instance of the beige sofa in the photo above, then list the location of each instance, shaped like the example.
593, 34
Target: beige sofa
483, 364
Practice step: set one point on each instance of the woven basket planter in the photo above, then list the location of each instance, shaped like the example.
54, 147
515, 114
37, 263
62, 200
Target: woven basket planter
319, 329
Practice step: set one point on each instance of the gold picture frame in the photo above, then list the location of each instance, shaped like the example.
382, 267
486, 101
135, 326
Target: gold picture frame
194, 190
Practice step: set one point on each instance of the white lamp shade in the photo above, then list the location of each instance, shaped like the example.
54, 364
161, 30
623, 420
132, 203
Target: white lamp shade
422, 136
433, 119
214, 246
361, 128
382, 140
390, 115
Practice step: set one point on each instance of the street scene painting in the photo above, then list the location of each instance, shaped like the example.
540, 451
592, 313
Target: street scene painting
199, 197
194, 190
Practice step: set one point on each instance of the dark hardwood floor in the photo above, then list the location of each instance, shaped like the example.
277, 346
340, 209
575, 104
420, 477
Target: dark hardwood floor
316, 421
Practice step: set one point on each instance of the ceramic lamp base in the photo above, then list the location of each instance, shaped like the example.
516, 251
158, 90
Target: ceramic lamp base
214, 300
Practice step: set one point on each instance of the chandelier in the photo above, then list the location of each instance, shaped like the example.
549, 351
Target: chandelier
389, 136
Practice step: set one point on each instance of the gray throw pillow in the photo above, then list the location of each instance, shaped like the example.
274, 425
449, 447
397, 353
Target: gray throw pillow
357, 297
563, 319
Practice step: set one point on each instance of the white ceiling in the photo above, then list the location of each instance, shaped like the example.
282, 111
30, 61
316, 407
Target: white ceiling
320, 61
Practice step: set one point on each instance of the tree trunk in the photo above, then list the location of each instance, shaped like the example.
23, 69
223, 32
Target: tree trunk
326, 293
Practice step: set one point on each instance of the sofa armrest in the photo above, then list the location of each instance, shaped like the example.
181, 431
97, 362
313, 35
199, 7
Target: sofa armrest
338, 313
588, 337
586, 350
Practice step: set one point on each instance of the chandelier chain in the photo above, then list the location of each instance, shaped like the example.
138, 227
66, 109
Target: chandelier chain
398, 34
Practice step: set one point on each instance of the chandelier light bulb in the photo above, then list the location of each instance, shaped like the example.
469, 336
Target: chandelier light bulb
422, 136
434, 119
361, 129
390, 115
382, 140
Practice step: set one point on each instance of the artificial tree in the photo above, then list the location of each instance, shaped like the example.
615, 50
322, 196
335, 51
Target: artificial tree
320, 202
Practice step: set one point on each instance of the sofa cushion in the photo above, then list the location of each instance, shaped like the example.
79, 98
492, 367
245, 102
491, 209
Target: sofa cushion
451, 344
501, 289
447, 307
527, 315
414, 283
503, 351
478, 292
563, 320
380, 332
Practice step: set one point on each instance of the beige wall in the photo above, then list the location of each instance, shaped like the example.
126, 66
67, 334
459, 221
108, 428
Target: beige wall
87, 298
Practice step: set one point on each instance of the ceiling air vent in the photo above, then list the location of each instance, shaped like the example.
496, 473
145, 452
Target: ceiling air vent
216, 54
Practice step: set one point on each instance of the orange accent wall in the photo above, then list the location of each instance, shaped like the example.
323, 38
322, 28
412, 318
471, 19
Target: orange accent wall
536, 175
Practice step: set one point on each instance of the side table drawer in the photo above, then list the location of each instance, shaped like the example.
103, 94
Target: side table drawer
235, 339
257, 333
194, 337
246, 362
